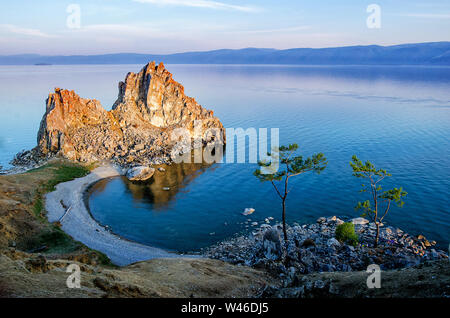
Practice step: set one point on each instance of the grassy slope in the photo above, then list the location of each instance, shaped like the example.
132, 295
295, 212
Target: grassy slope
22, 218
24, 230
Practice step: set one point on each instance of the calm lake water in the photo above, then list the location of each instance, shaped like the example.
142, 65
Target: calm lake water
398, 117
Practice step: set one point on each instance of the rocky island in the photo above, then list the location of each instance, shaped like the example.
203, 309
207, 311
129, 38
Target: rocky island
140, 129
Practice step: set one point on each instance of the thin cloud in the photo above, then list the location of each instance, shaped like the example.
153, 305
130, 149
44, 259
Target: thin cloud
201, 4
25, 31
282, 30
120, 32
120, 28
427, 15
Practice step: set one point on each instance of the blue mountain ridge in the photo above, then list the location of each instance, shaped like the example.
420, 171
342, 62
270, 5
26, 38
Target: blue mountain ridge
433, 53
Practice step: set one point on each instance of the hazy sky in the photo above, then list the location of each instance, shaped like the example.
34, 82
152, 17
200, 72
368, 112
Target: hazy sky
166, 26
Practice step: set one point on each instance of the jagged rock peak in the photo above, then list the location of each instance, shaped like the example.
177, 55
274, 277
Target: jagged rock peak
158, 98
150, 105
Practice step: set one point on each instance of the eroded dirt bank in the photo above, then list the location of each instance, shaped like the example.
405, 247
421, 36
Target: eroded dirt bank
24, 275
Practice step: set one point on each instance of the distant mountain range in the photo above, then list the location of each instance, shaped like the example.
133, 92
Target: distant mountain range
436, 53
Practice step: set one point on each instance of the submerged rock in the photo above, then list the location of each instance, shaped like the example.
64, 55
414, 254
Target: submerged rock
140, 173
142, 126
248, 211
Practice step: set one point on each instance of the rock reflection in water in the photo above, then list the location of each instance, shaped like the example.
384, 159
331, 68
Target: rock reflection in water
162, 187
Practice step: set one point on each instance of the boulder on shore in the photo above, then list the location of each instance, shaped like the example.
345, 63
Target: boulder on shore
141, 173
359, 221
272, 246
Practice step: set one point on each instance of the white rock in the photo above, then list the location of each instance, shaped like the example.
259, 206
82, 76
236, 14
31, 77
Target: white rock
248, 211
359, 221
140, 173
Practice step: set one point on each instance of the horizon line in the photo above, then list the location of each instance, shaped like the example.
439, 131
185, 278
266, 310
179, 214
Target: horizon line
228, 49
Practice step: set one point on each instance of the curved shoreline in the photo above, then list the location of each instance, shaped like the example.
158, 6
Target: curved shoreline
78, 222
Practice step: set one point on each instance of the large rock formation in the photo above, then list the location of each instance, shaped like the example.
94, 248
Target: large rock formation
78, 129
140, 128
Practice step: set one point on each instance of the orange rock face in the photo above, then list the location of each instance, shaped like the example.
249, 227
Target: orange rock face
138, 129
154, 97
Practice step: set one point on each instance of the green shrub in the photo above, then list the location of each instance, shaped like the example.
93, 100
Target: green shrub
38, 206
345, 233
52, 240
66, 173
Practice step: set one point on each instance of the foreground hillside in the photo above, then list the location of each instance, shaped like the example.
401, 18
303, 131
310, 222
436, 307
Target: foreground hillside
34, 256
426, 280
25, 275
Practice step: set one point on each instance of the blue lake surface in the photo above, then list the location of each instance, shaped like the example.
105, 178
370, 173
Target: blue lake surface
398, 117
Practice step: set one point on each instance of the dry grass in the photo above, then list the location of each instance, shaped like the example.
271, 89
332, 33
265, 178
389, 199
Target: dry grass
22, 215
23, 274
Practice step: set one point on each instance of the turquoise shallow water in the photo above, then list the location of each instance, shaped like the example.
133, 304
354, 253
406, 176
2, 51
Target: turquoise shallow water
398, 117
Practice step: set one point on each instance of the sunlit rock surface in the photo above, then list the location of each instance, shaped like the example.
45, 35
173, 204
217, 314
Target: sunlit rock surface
142, 127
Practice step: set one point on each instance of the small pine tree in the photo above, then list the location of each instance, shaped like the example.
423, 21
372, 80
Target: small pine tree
293, 166
381, 200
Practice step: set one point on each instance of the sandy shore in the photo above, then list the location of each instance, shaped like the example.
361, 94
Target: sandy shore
78, 223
